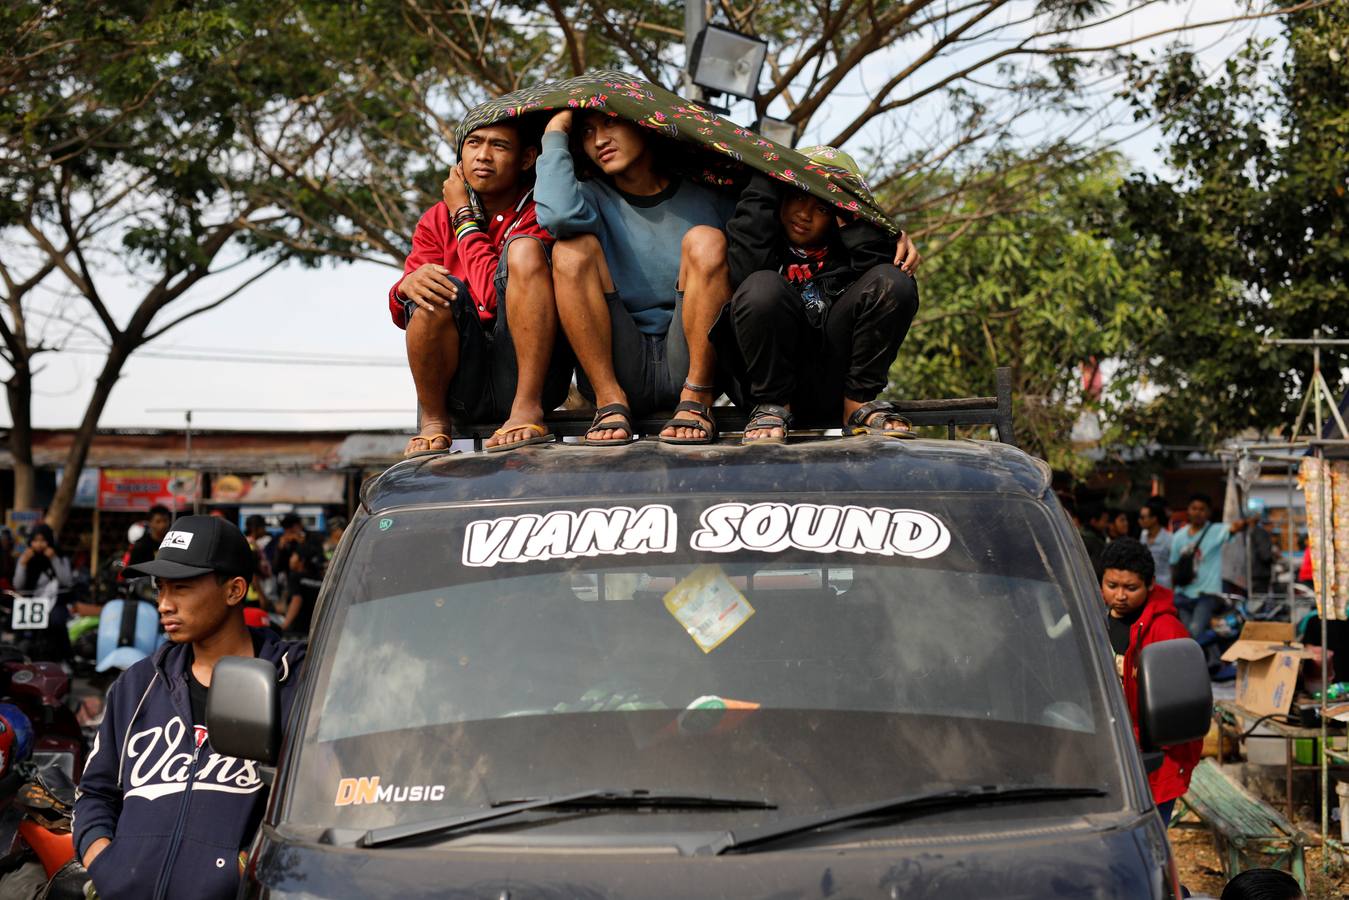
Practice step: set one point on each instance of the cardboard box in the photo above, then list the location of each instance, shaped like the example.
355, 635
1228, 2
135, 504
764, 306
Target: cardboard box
1267, 667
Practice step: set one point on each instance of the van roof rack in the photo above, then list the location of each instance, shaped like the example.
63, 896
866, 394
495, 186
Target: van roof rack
995, 411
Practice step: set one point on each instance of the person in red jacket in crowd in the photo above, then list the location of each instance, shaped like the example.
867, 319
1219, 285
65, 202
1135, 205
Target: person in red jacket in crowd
1141, 612
479, 262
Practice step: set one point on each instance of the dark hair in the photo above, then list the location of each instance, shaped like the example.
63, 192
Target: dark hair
160, 509
1202, 498
290, 520
1090, 510
337, 522
1263, 884
1130, 555
665, 152
1157, 506
1069, 504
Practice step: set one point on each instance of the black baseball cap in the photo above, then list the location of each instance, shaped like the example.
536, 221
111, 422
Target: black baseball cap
196, 545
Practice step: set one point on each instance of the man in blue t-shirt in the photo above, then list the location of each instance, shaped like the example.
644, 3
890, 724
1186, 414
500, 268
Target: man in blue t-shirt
639, 272
1202, 541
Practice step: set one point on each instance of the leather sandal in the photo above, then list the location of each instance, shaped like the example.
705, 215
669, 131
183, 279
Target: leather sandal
858, 421
622, 423
767, 415
708, 428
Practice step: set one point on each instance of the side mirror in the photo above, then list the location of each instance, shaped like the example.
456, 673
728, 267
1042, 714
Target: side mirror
1175, 697
243, 710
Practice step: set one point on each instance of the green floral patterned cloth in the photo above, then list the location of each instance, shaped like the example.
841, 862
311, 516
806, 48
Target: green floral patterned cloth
729, 149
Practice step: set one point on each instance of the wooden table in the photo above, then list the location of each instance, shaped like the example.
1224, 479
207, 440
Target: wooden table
1229, 716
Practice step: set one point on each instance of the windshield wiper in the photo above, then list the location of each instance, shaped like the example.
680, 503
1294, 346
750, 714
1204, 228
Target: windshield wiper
883, 809
593, 799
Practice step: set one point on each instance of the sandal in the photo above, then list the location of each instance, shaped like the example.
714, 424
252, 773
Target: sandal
708, 428
544, 436
859, 421
768, 415
624, 423
430, 439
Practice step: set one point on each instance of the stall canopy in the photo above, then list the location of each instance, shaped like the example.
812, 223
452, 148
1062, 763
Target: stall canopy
729, 149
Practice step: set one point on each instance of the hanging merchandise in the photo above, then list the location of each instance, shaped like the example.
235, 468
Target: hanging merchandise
1328, 530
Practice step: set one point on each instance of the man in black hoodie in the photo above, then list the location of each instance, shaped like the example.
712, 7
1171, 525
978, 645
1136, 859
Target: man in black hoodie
158, 813
818, 313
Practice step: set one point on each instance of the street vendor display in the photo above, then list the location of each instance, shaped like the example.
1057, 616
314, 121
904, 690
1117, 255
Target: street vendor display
1326, 487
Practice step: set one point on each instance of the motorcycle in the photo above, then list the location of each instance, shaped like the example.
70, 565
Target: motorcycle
40, 691
37, 848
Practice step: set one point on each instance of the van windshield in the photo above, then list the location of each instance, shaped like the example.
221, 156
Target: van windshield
811, 655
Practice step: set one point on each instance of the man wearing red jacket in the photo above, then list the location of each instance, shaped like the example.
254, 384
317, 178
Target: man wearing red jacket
474, 268
1142, 612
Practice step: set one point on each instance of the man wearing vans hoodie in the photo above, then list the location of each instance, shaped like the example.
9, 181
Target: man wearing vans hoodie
1142, 612
158, 813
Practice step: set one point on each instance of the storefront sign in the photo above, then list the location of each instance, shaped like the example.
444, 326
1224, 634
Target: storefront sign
279, 487
136, 490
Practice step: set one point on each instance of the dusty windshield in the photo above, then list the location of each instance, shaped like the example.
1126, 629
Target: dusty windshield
808, 654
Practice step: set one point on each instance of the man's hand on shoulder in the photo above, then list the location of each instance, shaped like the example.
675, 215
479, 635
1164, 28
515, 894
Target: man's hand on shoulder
429, 287
94, 850
560, 122
907, 256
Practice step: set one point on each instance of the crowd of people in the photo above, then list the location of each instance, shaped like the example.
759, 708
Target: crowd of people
665, 292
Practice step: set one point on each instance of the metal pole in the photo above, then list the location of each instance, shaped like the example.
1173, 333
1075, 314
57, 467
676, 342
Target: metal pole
695, 17
1325, 617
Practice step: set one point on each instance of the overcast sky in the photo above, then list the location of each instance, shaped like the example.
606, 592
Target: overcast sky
341, 312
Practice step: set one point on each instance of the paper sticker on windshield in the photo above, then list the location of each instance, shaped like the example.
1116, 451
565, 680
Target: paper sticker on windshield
820, 528
708, 606
565, 534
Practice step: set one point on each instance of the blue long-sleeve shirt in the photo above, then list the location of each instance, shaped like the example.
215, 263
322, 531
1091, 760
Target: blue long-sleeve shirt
640, 236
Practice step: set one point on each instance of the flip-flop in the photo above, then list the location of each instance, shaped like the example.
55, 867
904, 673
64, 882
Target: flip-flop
708, 429
857, 422
544, 436
429, 438
768, 415
624, 423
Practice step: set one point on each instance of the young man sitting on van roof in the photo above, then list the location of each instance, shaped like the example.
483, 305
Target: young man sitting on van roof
470, 273
818, 314
639, 273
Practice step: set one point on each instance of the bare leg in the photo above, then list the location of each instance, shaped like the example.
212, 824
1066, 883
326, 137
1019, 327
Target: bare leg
532, 314
433, 356
580, 281
706, 282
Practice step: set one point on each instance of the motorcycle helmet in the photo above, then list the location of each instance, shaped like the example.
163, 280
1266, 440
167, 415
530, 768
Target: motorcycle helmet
16, 737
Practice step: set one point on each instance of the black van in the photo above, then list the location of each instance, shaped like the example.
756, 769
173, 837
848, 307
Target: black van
850, 667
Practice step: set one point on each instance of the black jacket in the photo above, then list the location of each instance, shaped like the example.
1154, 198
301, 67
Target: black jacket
756, 242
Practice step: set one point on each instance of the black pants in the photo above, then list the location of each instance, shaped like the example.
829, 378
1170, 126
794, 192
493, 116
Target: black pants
774, 355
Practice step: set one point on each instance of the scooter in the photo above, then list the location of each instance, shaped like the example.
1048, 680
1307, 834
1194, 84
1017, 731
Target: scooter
128, 627
37, 848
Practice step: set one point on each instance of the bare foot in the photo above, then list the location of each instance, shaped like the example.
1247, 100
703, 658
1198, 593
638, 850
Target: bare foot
621, 432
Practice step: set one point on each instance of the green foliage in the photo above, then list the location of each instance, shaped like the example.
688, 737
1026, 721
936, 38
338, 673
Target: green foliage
1043, 291
1250, 233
